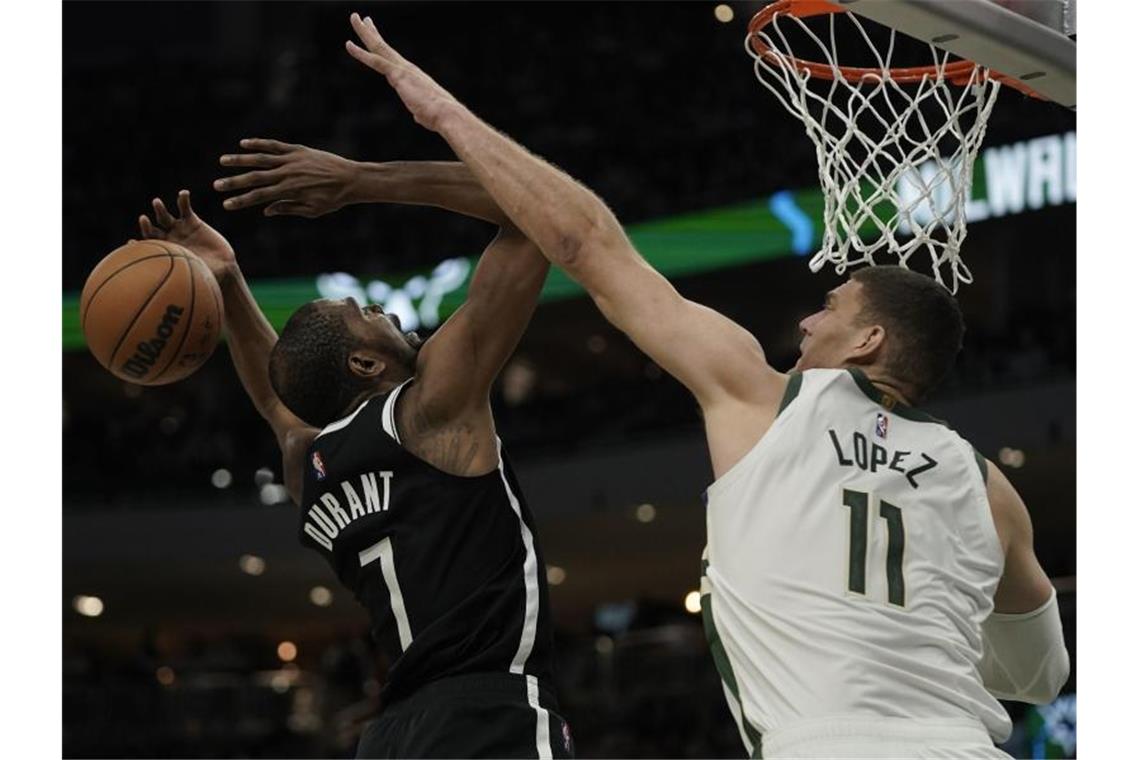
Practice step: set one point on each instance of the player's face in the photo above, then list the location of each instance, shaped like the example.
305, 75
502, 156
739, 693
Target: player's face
830, 333
379, 330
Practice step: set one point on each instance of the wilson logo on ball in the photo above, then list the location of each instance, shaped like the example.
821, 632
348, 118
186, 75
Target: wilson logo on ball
148, 351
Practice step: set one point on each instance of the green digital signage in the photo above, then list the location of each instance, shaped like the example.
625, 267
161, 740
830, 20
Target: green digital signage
1008, 179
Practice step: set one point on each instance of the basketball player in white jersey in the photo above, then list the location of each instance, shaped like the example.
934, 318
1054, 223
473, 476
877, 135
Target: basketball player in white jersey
870, 584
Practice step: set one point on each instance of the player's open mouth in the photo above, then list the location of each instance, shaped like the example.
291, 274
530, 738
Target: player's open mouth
395, 320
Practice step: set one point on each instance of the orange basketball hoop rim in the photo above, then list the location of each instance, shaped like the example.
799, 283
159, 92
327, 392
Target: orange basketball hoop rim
959, 72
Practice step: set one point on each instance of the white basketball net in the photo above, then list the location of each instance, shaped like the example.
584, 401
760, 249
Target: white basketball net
895, 160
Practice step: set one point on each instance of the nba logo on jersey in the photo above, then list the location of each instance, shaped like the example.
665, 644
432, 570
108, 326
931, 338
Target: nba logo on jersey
881, 425
318, 465
567, 742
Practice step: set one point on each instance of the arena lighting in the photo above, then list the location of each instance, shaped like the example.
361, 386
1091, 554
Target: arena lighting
273, 493
596, 344
723, 13
88, 606
555, 575
263, 476
251, 564
604, 645
287, 651
165, 675
693, 602
222, 478
1011, 457
518, 381
320, 596
646, 513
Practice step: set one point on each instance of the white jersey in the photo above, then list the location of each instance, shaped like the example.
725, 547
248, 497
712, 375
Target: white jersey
851, 561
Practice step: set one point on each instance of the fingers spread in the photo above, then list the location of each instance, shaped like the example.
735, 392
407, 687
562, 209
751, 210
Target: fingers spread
249, 179
267, 146
368, 34
147, 230
370, 60
259, 160
372, 40
161, 215
184, 208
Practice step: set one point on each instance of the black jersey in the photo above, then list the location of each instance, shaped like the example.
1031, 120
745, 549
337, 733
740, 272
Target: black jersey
448, 567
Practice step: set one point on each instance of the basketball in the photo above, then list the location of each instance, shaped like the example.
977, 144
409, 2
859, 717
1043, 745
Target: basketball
763, 442
151, 312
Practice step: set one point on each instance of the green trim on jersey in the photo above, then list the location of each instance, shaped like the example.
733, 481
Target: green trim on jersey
981, 460
724, 667
795, 380
888, 402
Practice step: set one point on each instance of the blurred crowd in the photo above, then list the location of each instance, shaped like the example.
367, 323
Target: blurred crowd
649, 691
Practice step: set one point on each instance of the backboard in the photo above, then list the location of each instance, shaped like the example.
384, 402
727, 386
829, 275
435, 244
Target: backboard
1026, 39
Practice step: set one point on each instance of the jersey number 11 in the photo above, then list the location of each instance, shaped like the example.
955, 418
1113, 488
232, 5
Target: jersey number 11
858, 501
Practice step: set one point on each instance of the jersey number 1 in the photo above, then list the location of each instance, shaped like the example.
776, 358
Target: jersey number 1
858, 501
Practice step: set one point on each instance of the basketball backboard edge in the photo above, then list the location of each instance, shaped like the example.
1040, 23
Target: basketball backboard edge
1026, 39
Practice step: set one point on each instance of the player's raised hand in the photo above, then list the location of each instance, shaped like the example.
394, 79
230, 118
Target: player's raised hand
188, 230
291, 179
423, 97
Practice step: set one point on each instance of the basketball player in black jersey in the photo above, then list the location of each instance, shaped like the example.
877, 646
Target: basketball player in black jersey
389, 448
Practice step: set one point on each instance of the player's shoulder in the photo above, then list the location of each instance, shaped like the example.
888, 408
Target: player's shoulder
851, 388
840, 385
855, 383
363, 415
299, 439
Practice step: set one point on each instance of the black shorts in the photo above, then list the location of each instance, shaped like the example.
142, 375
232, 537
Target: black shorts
476, 715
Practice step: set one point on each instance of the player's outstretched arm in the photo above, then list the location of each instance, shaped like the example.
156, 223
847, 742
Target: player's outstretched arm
720, 362
467, 352
459, 363
297, 180
250, 337
1024, 646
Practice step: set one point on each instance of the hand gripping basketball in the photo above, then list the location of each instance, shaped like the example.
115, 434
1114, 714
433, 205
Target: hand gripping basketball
423, 97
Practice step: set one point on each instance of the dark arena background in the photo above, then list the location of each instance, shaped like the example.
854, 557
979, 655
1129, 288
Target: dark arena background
195, 625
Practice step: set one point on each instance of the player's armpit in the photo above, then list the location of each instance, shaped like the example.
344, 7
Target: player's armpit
715, 358
295, 443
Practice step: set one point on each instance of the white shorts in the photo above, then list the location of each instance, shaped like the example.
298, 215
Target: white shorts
873, 737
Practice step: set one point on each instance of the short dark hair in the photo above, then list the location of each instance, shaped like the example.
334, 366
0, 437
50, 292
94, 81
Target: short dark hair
923, 322
308, 367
